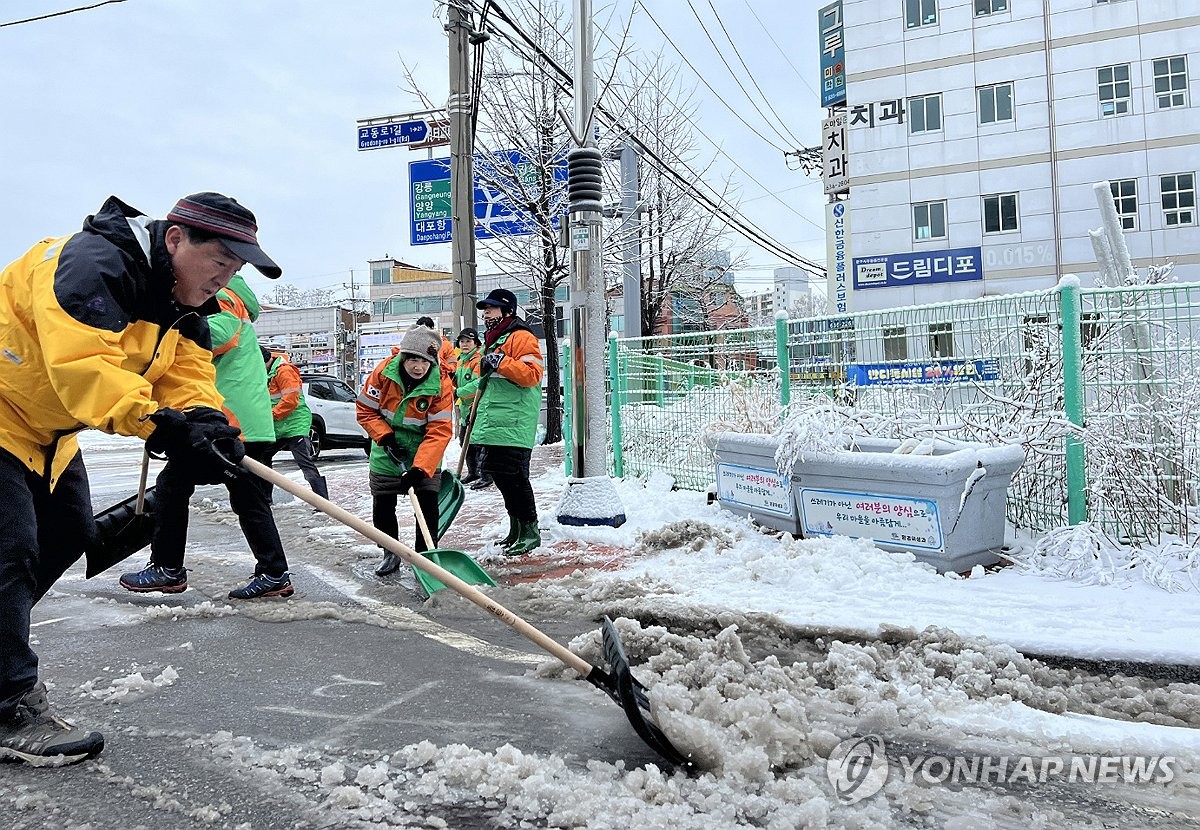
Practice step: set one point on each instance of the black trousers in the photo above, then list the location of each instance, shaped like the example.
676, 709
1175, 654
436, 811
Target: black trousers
42, 533
509, 468
250, 498
301, 448
383, 507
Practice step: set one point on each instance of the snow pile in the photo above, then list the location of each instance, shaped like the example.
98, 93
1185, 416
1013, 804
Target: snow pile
129, 687
687, 533
203, 610
1084, 554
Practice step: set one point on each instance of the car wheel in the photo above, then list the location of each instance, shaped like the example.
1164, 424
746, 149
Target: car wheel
316, 435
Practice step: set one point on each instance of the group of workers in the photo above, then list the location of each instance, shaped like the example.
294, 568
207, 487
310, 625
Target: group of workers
143, 327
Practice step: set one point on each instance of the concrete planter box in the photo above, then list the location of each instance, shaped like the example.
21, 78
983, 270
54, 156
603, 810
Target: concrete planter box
947, 509
749, 485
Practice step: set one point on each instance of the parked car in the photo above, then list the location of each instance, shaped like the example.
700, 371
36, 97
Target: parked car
332, 403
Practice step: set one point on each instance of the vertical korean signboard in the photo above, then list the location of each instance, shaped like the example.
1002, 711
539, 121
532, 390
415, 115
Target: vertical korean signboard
835, 160
837, 257
833, 55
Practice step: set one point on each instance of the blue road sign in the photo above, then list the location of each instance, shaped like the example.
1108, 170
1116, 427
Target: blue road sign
497, 175
413, 131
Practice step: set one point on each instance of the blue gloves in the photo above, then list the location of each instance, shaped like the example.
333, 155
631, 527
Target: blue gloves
492, 360
199, 441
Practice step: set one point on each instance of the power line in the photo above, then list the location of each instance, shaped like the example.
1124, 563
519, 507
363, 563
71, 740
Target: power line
802, 77
789, 138
59, 14
722, 208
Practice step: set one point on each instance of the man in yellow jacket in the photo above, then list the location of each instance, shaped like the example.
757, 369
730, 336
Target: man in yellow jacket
102, 329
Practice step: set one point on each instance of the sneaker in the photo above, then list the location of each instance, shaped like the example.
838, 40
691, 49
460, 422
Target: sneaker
482, 483
156, 578
262, 585
37, 736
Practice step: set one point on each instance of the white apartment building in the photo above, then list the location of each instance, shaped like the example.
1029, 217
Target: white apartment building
976, 129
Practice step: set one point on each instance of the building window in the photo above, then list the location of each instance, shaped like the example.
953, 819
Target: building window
925, 114
381, 275
1170, 81
995, 103
895, 344
983, 7
1000, 213
1179, 199
919, 13
929, 220
1124, 192
1112, 83
941, 340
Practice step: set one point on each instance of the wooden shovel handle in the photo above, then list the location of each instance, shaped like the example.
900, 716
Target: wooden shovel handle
421, 563
141, 499
421, 523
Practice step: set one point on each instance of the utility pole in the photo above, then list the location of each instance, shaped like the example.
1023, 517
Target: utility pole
460, 109
631, 279
590, 497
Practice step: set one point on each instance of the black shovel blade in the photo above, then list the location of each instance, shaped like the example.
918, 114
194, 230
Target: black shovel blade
120, 532
622, 687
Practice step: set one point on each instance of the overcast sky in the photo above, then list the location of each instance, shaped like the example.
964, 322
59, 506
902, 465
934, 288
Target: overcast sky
153, 99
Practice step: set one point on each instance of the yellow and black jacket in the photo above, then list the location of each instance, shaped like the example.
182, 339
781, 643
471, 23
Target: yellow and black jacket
90, 336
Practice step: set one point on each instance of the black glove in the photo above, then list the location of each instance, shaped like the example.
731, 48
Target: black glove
199, 441
392, 449
411, 478
492, 360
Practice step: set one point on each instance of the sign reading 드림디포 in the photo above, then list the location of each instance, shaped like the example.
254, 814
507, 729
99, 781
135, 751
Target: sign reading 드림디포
763, 490
894, 520
918, 268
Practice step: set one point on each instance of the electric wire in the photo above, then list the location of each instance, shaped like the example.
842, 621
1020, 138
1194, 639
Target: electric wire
736, 221
803, 79
60, 14
789, 138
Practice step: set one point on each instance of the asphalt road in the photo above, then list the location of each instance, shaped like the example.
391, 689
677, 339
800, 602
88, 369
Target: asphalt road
352, 667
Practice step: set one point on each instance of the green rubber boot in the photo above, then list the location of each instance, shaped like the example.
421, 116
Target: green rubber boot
528, 539
514, 530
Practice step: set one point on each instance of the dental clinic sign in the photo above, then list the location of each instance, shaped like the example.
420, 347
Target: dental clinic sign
918, 268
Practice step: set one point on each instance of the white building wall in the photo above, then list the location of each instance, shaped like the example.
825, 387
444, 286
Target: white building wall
892, 169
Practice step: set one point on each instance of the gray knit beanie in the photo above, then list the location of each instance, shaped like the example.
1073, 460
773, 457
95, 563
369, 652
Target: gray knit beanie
421, 342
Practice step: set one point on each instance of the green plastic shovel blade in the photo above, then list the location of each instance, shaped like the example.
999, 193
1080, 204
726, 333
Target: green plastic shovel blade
450, 499
457, 563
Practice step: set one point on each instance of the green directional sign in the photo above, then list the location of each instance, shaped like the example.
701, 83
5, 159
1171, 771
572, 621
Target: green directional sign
431, 210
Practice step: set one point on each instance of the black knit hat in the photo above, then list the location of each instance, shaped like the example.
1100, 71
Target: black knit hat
471, 333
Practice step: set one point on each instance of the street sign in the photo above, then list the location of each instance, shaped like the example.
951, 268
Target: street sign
413, 133
495, 215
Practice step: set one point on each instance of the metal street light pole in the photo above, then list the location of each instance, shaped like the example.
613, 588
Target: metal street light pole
462, 189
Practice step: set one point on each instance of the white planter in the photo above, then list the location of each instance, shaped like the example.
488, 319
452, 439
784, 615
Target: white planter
947, 508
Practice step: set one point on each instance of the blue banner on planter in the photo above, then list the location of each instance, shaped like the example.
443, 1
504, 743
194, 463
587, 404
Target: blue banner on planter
918, 268
933, 371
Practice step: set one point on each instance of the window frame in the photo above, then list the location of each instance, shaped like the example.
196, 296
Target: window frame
929, 220
895, 343
919, 6
991, 4
1129, 221
940, 333
924, 105
1169, 75
1000, 213
1176, 192
996, 119
1114, 83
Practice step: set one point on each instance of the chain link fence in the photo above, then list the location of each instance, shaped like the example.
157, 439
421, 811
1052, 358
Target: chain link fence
1101, 387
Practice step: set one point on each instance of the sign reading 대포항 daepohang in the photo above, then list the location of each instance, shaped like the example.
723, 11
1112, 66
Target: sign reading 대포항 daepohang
918, 268
933, 371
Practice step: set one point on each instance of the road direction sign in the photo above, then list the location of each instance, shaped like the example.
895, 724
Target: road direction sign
495, 214
413, 133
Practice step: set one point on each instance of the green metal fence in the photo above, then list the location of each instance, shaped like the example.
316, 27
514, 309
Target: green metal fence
1100, 386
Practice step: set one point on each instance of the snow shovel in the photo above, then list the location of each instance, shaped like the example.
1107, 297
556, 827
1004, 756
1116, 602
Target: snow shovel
455, 561
618, 682
451, 495
123, 529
